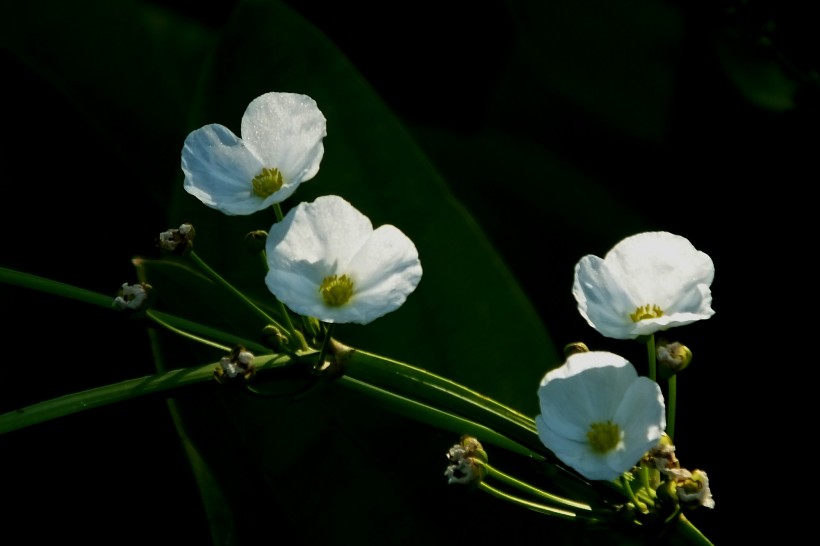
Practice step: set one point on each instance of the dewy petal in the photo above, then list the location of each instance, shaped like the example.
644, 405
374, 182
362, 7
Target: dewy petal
286, 130
327, 232
218, 170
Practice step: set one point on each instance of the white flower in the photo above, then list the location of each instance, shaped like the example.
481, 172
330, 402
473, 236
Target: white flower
598, 416
326, 261
647, 283
281, 147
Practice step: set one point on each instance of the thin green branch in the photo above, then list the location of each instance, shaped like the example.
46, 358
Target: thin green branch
541, 508
493, 472
119, 392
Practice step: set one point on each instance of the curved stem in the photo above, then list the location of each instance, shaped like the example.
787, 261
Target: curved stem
155, 317
541, 508
233, 290
422, 384
493, 472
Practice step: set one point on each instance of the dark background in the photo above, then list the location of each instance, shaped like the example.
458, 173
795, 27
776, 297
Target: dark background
701, 117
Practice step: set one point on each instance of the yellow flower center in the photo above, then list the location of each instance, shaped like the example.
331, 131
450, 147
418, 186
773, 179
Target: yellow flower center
336, 291
604, 437
646, 312
267, 182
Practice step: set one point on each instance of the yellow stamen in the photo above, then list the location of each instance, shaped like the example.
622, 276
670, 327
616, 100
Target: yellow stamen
267, 182
604, 437
646, 312
336, 290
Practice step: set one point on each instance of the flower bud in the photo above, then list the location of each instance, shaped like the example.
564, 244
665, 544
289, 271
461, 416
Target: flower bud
178, 241
574, 348
672, 357
468, 460
255, 240
132, 297
275, 338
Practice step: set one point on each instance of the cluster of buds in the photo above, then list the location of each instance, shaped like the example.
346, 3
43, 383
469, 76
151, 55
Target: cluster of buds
178, 241
467, 459
237, 364
688, 489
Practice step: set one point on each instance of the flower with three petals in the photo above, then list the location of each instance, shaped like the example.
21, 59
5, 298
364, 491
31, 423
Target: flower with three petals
598, 416
326, 261
281, 147
647, 283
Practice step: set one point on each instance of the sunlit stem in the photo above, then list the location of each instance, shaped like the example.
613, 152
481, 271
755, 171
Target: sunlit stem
425, 413
493, 472
421, 383
277, 211
627, 489
691, 533
325, 344
153, 316
232, 289
652, 357
671, 402
543, 509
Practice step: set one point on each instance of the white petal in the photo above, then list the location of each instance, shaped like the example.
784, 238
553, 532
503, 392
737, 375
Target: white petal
642, 416
286, 130
385, 270
330, 237
659, 267
596, 387
219, 169
327, 232
602, 299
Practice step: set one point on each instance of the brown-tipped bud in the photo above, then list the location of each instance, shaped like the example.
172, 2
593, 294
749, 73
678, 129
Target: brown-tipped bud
132, 297
178, 241
255, 240
672, 357
574, 348
237, 364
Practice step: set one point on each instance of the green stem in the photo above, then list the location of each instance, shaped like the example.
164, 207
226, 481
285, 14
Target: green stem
119, 392
627, 489
233, 290
493, 472
33, 282
671, 403
543, 509
424, 385
691, 533
426, 413
155, 317
651, 356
